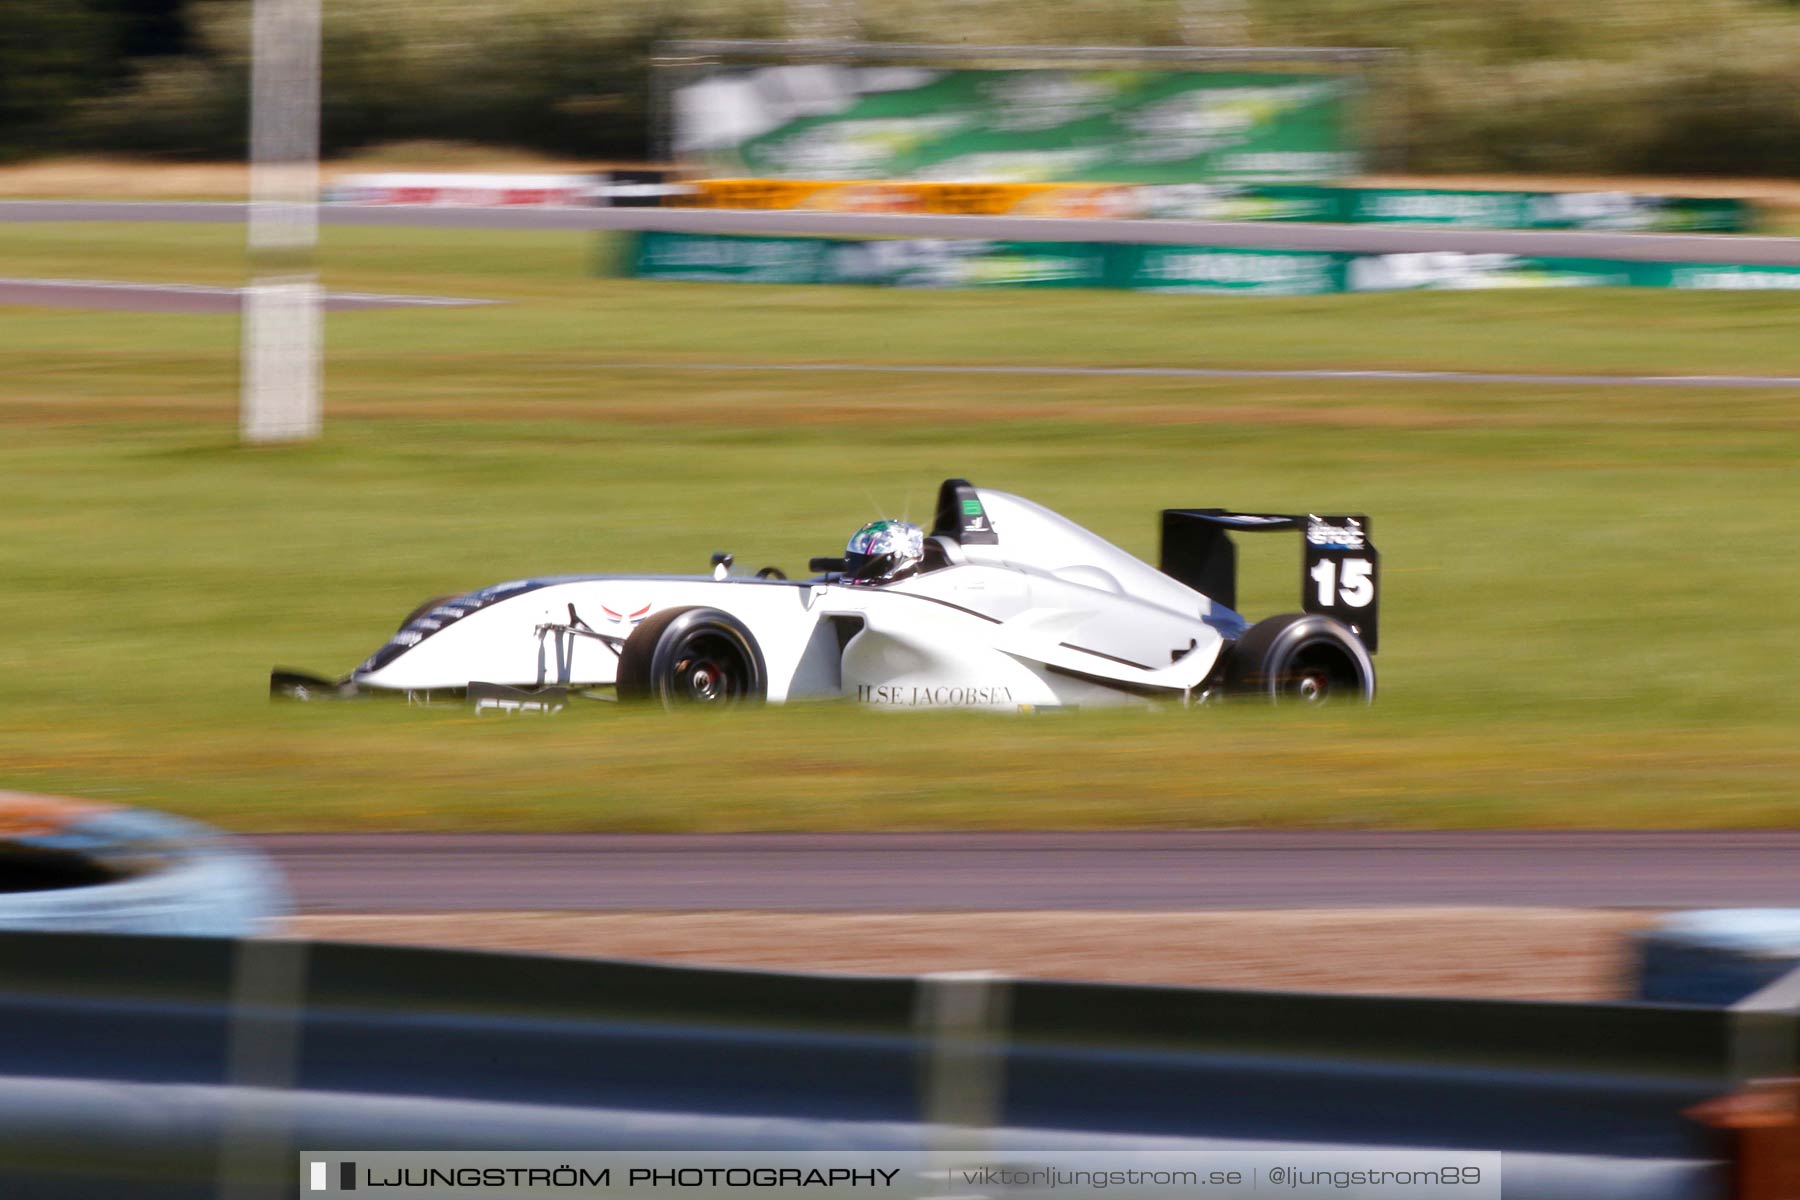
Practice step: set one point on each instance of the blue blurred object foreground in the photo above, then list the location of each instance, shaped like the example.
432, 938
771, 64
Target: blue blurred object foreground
69, 865
1717, 956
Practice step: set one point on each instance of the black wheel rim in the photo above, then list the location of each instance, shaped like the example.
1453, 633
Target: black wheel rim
709, 668
1312, 687
1318, 672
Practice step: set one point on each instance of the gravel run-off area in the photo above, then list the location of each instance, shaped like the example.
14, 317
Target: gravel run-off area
1517, 953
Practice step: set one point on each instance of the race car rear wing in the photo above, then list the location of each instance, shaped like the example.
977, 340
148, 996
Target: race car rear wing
1340, 569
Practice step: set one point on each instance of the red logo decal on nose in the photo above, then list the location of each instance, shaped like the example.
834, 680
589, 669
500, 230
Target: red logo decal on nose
633, 619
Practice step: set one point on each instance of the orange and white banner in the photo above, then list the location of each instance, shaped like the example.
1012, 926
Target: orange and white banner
965, 199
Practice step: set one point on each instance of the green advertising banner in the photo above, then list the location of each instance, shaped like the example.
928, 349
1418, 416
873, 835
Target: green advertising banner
952, 263
1718, 277
908, 262
1113, 126
1444, 270
1241, 202
931, 262
1623, 211
1414, 206
1221, 269
725, 258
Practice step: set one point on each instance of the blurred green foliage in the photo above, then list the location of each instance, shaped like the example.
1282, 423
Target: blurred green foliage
1703, 86
52, 53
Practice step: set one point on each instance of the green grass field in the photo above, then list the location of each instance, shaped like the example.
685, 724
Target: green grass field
1589, 615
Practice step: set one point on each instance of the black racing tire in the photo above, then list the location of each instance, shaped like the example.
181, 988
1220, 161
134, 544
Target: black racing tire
1301, 658
424, 608
698, 656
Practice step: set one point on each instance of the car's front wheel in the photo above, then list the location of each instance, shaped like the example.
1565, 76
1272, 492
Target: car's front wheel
684, 656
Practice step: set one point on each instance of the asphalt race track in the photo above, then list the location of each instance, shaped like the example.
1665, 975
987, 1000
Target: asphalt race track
1176, 870
1368, 239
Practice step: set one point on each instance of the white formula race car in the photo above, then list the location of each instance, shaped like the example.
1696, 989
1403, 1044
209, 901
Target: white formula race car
1012, 607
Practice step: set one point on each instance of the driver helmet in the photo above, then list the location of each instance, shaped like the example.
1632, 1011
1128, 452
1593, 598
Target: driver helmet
883, 551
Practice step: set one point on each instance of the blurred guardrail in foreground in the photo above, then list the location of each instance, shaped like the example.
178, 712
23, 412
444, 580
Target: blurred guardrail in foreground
165, 1066
69, 865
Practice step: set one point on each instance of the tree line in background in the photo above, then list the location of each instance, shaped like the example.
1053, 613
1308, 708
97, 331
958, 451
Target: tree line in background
1590, 86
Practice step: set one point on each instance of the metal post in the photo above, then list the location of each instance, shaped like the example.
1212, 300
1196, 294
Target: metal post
262, 1062
1766, 1031
963, 1016
1762, 1117
282, 322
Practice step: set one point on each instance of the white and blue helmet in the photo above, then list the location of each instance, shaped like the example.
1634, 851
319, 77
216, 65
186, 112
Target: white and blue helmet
883, 551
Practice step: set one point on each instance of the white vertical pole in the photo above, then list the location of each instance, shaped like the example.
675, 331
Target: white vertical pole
282, 323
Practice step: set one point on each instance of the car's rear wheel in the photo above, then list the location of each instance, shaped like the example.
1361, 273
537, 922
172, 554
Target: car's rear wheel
684, 656
1301, 658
